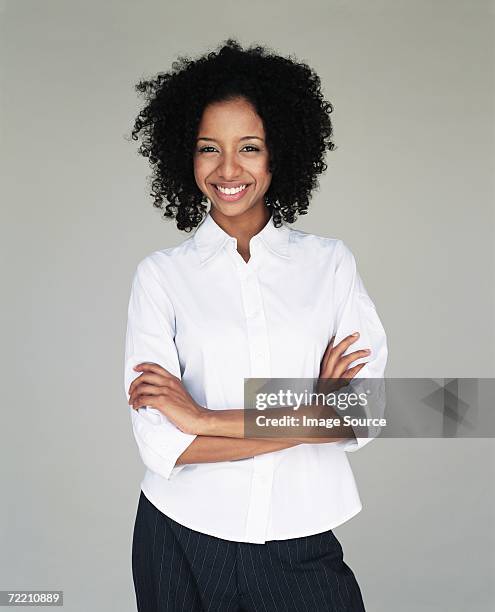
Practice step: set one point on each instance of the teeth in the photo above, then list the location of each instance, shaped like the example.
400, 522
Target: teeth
231, 191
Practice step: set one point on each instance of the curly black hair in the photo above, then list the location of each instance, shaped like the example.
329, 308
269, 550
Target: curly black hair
286, 94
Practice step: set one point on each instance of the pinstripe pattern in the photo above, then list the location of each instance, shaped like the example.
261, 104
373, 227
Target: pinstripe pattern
177, 569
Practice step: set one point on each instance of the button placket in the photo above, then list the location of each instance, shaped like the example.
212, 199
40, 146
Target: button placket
260, 498
259, 350
257, 332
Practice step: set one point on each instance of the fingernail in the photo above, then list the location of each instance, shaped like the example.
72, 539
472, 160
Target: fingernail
355, 334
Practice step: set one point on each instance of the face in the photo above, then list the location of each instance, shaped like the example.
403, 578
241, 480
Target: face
231, 155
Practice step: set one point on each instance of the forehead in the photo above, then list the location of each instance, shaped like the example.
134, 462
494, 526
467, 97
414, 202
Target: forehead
230, 118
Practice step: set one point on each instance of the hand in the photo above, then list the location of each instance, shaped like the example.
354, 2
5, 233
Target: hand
158, 388
334, 366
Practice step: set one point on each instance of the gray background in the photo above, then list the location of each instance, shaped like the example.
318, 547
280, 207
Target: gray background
410, 189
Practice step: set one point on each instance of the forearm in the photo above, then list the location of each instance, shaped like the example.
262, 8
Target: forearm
207, 449
231, 424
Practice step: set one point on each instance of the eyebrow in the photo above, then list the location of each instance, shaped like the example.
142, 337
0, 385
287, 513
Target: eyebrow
243, 138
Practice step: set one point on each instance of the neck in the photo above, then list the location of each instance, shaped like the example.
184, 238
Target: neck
243, 227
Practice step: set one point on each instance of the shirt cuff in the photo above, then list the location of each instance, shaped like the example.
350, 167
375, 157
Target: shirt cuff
353, 444
159, 441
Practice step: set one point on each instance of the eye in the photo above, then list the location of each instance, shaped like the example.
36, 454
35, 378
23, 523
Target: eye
209, 149
203, 149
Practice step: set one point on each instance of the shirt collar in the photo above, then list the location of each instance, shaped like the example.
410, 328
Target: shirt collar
210, 238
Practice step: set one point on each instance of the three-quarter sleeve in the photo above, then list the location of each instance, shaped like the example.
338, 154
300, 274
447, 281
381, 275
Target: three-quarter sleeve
150, 337
355, 311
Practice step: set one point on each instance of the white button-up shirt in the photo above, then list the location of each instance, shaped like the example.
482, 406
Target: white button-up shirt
211, 319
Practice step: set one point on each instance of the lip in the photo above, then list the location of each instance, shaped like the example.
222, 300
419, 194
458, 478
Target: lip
234, 197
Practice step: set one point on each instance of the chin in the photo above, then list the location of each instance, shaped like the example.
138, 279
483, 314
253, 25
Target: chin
230, 210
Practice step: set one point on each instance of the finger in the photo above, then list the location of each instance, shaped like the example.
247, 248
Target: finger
330, 344
336, 381
134, 383
342, 379
159, 401
147, 366
151, 378
337, 351
147, 389
143, 400
351, 372
344, 362
345, 344
165, 386
326, 355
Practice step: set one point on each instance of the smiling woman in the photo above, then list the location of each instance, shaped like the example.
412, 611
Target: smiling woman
227, 521
235, 167
233, 174
275, 122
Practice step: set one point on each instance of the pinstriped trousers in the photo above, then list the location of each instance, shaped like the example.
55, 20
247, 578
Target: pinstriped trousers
177, 569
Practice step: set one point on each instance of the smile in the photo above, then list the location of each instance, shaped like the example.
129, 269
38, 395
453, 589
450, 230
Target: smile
232, 190
232, 194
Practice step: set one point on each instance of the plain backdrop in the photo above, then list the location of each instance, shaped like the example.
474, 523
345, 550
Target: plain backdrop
410, 189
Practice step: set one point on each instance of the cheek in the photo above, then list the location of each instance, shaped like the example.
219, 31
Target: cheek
260, 170
200, 172
266, 178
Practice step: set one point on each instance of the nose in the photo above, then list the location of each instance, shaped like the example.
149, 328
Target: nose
229, 168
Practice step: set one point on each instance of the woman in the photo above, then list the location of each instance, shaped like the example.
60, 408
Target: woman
226, 520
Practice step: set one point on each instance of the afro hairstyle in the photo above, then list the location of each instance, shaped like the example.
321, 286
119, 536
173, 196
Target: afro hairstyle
285, 93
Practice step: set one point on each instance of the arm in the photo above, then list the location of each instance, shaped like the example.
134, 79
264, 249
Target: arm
355, 311
230, 423
150, 337
205, 449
